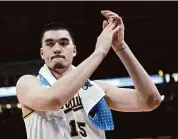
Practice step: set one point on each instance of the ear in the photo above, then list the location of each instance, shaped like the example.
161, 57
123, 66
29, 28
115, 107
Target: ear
41, 53
74, 51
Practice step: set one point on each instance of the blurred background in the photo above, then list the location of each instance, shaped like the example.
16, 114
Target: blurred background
150, 30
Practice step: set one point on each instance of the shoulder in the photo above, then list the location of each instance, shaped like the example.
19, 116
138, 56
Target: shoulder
26, 78
26, 81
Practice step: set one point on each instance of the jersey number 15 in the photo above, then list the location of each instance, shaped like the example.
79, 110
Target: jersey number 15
74, 131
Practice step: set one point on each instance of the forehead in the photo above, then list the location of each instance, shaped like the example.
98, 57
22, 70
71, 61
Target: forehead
56, 34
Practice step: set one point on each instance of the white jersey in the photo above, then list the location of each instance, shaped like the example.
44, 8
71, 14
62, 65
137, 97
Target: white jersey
70, 122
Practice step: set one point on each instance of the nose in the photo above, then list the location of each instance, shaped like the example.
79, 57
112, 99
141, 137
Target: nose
57, 49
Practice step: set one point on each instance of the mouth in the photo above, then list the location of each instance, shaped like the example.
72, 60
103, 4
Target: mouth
57, 56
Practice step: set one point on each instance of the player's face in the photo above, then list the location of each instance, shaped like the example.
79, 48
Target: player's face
57, 49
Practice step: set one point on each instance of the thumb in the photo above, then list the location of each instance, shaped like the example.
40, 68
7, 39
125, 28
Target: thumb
105, 23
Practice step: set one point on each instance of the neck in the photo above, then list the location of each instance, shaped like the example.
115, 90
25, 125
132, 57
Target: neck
58, 73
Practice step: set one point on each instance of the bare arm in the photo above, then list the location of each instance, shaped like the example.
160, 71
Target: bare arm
121, 99
31, 94
145, 97
145, 89
129, 100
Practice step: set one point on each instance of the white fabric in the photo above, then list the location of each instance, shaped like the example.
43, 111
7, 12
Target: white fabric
57, 125
89, 96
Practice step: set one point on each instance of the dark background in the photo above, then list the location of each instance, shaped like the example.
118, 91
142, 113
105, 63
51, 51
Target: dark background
150, 30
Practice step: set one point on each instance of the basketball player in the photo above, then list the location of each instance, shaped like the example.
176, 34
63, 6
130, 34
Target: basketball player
56, 111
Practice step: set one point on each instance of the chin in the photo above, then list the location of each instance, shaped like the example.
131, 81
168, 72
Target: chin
59, 66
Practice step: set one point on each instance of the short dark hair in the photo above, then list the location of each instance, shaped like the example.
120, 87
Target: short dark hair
56, 26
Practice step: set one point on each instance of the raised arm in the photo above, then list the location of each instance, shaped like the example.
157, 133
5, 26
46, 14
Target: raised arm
31, 94
145, 96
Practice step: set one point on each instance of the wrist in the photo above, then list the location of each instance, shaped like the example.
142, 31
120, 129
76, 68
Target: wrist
122, 46
120, 49
100, 53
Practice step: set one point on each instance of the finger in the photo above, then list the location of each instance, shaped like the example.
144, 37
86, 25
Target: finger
105, 23
110, 22
112, 26
117, 18
116, 29
106, 11
104, 15
162, 97
110, 14
108, 17
114, 17
119, 21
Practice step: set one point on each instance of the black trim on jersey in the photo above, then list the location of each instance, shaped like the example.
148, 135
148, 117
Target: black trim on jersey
28, 114
67, 110
78, 108
74, 109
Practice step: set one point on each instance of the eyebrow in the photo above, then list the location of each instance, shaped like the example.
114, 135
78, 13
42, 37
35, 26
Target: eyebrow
48, 40
64, 39
61, 39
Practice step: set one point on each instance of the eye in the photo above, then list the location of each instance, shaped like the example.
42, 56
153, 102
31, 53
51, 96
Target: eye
50, 44
64, 42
